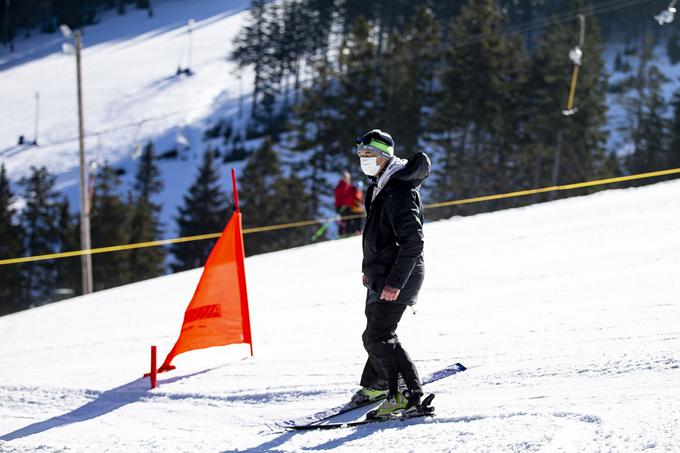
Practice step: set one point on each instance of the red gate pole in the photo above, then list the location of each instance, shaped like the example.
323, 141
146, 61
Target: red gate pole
154, 369
233, 182
245, 311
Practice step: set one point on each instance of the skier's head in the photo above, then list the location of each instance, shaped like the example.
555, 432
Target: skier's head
346, 176
375, 149
376, 142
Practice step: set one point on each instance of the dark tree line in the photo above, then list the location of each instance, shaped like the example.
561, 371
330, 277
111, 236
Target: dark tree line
483, 97
467, 81
45, 224
488, 110
19, 18
653, 123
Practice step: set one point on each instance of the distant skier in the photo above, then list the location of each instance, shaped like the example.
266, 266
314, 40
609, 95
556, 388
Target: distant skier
354, 225
393, 269
344, 199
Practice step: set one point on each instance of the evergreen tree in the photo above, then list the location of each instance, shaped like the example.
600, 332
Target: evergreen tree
204, 210
295, 204
408, 80
387, 16
110, 225
68, 270
318, 19
337, 108
646, 106
651, 151
12, 297
357, 104
674, 149
318, 135
145, 224
250, 47
42, 233
549, 82
294, 45
273, 69
476, 124
269, 198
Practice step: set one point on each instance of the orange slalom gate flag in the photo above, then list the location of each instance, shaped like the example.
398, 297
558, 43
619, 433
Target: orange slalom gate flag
218, 313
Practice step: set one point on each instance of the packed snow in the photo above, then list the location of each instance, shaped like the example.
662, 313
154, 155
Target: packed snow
566, 314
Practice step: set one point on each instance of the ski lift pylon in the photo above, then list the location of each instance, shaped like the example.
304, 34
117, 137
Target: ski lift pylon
576, 57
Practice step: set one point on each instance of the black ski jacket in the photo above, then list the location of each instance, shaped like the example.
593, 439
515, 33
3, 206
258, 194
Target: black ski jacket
393, 235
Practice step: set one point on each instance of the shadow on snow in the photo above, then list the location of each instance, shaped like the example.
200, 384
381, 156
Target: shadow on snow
105, 403
356, 433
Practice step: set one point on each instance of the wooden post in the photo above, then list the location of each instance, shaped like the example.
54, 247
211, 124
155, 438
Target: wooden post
85, 240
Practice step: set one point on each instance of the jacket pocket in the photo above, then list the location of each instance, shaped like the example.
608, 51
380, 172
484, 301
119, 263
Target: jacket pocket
375, 283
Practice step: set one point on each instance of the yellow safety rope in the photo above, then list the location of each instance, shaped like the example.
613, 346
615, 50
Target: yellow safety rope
282, 226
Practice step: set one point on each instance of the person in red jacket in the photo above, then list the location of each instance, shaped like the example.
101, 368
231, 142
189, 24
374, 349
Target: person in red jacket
345, 195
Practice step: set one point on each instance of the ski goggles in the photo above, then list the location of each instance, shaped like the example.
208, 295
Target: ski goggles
374, 146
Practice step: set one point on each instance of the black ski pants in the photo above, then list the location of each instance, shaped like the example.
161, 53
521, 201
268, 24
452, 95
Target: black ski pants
386, 357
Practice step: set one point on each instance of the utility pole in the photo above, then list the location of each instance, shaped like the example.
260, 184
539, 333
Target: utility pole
37, 117
85, 241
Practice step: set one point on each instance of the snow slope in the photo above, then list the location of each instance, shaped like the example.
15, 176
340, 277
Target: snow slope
567, 314
130, 91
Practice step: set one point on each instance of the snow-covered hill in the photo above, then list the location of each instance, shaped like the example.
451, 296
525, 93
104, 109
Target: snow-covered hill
567, 314
132, 95
130, 90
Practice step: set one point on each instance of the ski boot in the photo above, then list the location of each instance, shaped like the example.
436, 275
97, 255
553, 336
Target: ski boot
367, 395
401, 404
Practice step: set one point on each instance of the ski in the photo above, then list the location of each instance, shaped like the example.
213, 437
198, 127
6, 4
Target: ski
425, 410
319, 417
326, 414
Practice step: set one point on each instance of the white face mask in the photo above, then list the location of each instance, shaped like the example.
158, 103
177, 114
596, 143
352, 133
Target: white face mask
369, 165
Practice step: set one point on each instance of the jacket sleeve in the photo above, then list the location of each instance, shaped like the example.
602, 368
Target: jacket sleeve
408, 228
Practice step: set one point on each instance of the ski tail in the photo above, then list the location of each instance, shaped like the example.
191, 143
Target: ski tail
443, 373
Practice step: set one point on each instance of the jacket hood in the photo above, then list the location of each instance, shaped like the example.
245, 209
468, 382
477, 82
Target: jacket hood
415, 171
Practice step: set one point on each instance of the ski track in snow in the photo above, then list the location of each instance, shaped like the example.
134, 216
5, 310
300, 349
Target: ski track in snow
566, 314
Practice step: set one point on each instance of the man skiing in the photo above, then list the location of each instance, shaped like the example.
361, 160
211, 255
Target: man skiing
393, 270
